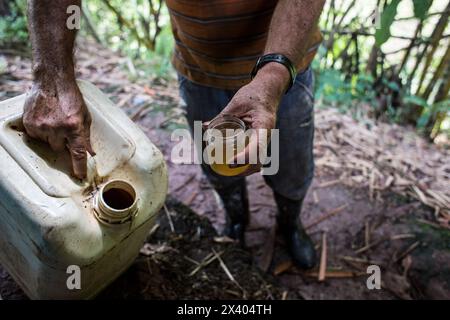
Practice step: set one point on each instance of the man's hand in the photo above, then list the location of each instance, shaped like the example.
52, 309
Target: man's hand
257, 104
57, 114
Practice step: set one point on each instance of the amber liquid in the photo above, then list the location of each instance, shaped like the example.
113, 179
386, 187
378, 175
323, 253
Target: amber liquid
224, 169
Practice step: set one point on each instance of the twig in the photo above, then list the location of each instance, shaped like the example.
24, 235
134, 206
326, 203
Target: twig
323, 258
185, 183
367, 233
403, 236
408, 251
432, 224
376, 243
329, 183
137, 114
370, 246
228, 273
335, 274
316, 197
359, 260
191, 198
206, 261
153, 230
172, 228
371, 184
327, 216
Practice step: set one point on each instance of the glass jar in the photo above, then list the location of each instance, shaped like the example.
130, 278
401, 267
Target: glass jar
225, 137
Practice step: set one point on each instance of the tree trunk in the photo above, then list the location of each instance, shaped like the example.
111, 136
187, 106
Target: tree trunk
434, 42
434, 125
411, 45
437, 74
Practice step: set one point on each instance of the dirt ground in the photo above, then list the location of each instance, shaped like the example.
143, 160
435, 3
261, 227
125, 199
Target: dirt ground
398, 233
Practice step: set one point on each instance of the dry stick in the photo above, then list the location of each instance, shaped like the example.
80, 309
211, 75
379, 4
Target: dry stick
191, 198
191, 260
228, 273
359, 260
367, 233
323, 258
371, 184
137, 114
316, 197
172, 228
376, 243
206, 261
408, 251
327, 216
336, 274
432, 224
329, 183
153, 230
185, 183
365, 248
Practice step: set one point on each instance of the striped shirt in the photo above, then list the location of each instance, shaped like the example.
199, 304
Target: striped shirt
217, 42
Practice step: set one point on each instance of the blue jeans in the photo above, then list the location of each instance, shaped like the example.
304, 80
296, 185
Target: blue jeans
295, 121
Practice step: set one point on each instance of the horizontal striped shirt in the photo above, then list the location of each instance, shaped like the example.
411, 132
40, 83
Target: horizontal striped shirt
217, 42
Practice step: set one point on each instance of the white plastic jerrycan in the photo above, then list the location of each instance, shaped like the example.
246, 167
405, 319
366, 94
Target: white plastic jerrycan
65, 239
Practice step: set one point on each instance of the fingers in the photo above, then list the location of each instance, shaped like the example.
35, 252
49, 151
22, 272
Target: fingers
77, 148
87, 130
249, 154
252, 154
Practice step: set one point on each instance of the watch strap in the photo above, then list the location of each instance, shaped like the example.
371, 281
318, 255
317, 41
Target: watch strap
278, 58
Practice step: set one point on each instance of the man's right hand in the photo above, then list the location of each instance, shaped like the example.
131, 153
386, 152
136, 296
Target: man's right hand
56, 113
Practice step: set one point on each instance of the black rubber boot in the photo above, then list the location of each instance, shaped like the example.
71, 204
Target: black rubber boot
298, 242
235, 202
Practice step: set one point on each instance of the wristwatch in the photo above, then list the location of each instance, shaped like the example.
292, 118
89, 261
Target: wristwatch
279, 58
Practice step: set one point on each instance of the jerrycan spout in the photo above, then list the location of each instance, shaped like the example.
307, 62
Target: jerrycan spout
116, 203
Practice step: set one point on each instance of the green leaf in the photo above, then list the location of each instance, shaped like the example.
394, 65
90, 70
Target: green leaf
421, 8
387, 18
416, 100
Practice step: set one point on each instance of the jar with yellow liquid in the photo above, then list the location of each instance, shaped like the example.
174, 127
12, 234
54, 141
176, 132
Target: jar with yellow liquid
226, 138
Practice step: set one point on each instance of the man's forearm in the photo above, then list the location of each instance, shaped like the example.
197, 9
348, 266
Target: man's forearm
292, 23
290, 28
52, 42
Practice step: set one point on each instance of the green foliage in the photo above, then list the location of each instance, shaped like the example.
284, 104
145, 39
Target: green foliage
383, 33
13, 28
421, 8
121, 38
429, 110
333, 88
387, 18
